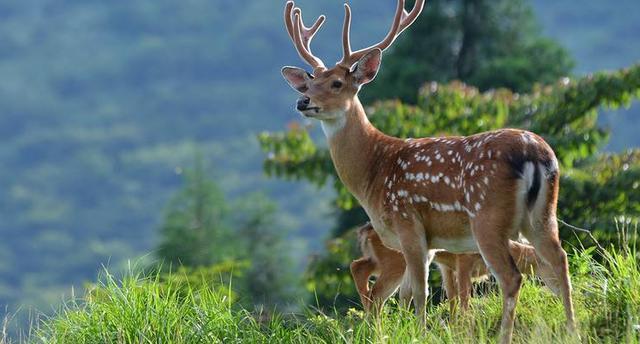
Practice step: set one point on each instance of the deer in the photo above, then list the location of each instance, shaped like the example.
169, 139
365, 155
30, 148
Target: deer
457, 270
462, 194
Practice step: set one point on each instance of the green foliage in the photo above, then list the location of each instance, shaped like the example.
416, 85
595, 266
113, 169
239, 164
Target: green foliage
270, 277
328, 277
195, 227
490, 44
203, 235
139, 310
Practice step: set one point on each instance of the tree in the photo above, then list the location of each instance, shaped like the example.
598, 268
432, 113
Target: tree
487, 43
195, 227
241, 244
270, 277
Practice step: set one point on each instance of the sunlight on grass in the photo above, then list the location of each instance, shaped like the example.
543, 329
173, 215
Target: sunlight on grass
135, 309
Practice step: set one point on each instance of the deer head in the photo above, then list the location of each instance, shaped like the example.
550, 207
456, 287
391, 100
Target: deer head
327, 93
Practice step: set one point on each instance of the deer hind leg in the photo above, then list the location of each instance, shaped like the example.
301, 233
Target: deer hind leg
450, 286
464, 265
416, 254
491, 233
542, 232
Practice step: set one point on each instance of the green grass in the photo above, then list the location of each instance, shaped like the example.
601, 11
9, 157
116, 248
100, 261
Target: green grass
151, 310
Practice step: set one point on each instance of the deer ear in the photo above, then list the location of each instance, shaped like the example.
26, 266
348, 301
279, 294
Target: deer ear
297, 78
367, 67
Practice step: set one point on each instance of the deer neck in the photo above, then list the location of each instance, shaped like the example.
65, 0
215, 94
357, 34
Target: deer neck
352, 144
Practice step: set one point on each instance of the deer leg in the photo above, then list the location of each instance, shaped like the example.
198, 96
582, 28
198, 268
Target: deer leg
544, 238
405, 290
450, 287
464, 265
493, 243
416, 255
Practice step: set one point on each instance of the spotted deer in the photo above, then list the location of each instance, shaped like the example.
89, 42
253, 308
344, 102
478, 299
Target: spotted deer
461, 194
458, 271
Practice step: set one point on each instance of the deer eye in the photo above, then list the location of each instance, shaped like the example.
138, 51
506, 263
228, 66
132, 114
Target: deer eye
336, 84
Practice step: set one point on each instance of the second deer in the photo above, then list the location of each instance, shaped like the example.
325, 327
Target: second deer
458, 270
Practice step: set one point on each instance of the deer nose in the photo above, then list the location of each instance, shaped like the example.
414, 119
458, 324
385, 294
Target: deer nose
303, 103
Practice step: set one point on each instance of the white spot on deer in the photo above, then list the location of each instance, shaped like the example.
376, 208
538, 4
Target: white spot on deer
395, 208
489, 153
447, 180
469, 212
486, 180
478, 207
423, 199
447, 207
450, 152
458, 206
419, 177
434, 179
403, 193
467, 197
405, 215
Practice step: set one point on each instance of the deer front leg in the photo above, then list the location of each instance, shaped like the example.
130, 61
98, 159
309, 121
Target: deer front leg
361, 270
416, 255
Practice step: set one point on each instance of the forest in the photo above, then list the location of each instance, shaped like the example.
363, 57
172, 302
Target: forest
158, 137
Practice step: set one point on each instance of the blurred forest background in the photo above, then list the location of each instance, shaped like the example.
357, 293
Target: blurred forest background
129, 128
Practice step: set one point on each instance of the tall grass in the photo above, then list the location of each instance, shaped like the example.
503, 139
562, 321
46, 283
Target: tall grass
135, 309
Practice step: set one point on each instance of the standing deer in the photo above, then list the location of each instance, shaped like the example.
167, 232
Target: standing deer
388, 266
461, 194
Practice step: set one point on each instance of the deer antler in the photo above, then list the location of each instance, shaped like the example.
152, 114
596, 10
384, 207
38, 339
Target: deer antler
302, 35
401, 21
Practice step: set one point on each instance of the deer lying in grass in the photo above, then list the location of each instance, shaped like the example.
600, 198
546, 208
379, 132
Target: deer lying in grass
460, 194
458, 270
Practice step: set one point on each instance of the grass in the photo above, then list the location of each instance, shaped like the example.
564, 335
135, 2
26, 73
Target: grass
150, 310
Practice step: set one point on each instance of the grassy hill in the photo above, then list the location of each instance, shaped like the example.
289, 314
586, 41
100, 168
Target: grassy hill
144, 310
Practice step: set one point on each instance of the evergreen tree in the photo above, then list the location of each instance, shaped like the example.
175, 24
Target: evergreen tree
269, 278
486, 43
194, 231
